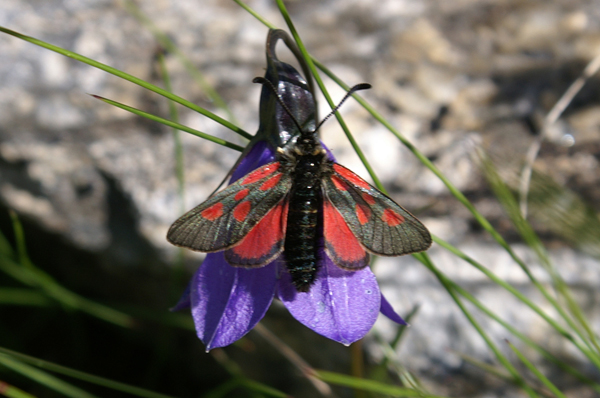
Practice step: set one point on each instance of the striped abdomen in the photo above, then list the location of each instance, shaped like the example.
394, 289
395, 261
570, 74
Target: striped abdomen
302, 232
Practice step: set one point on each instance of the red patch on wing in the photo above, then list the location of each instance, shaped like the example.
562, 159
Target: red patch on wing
264, 240
259, 174
363, 213
213, 212
350, 176
339, 184
368, 198
391, 218
241, 211
241, 194
342, 245
271, 182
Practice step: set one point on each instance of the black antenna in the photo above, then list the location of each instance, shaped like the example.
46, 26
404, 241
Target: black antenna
262, 80
360, 86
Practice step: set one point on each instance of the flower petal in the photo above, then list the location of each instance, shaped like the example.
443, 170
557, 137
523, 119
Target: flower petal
227, 302
388, 311
259, 154
341, 305
184, 300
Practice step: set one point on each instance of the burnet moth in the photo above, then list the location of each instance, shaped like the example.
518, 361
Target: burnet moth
295, 206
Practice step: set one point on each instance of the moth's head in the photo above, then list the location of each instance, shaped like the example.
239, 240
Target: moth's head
309, 130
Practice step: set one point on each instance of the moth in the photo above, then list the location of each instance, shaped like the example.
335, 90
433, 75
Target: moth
297, 206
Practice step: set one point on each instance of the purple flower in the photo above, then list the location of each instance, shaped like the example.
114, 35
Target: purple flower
227, 302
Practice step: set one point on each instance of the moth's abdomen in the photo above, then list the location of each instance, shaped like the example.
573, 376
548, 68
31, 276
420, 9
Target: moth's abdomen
303, 229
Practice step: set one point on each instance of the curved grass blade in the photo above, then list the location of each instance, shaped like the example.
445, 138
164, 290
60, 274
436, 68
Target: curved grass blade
516, 376
309, 60
101, 381
564, 333
32, 276
171, 124
369, 385
168, 44
130, 78
536, 372
21, 296
43, 378
465, 202
255, 14
510, 204
12, 391
178, 146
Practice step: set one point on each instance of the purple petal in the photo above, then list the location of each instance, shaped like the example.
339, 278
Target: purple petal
259, 154
329, 153
341, 305
228, 302
388, 311
184, 302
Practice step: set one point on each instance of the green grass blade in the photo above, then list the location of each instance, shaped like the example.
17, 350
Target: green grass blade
20, 296
20, 239
262, 388
130, 78
486, 367
5, 247
510, 204
13, 392
43, 378
224, 389
30, 275
517, 378
178, 146
369, 385
390, 348
536, 372
515, 292
76, 374
255, 14
556, 361
456, 193
35, 277
170, 123
168, 44
309, 61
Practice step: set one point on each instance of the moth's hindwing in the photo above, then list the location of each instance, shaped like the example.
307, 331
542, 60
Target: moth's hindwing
264, 242
381, 225
341, 245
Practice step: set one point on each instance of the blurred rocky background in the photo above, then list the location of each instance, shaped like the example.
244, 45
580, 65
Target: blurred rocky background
96, 189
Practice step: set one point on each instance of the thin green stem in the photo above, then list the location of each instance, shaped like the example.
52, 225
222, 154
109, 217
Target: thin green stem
43, 378
130, 78
168, 44
557, 361
528, 234
309, 60
101, 381
178, 147
35, 277
172, 124
517, 378
20, 239
369, 385
255, 14
565, 333
536, 372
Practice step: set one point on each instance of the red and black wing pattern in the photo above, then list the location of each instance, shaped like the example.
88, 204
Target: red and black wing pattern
228, 217
341, 245
381, 225
264, 242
